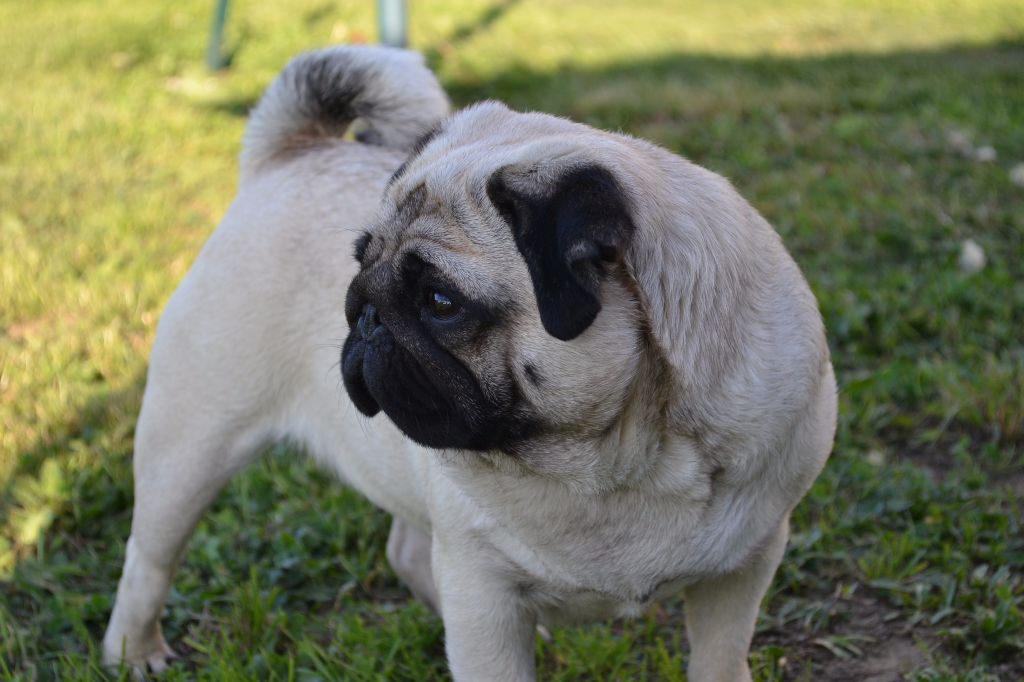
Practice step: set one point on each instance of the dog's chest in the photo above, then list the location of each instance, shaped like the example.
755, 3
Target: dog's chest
582, 558
591, 564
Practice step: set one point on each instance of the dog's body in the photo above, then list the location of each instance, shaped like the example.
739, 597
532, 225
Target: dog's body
645, 428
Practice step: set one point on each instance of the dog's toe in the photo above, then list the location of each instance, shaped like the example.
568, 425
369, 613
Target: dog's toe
159, 660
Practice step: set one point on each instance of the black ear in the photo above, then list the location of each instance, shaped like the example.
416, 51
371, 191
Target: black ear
568, 231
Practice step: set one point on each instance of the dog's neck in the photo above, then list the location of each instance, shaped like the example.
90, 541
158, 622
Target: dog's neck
642, 449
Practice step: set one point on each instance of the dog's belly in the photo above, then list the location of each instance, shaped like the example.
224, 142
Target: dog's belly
384, 471
370, 455
387, 472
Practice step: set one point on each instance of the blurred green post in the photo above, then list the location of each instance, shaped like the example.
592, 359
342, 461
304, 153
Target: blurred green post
392, 17
215, 57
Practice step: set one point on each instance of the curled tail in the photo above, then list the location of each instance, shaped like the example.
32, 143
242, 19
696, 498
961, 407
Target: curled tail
320, 93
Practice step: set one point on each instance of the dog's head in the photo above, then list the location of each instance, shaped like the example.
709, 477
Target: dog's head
493, 306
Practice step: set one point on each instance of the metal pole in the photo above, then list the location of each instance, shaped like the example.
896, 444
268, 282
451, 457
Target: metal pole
215, 57
392, 17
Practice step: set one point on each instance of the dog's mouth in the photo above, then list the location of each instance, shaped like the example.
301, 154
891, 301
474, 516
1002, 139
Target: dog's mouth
353, 355
380, 374
354, 358
439, 405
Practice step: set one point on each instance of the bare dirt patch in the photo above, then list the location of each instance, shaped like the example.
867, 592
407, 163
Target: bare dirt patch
872, 643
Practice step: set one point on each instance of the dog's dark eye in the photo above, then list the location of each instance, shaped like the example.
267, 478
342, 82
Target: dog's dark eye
442, 307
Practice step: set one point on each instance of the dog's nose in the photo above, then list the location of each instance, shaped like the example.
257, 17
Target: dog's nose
369, 321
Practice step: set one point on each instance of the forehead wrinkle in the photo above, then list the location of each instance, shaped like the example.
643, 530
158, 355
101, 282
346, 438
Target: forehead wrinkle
482, 226
459, 267
419, 212
425, 167
417, 149
441, 166
407, 215
411, 205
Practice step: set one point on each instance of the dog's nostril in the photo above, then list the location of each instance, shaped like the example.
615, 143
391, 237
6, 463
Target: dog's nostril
369, 321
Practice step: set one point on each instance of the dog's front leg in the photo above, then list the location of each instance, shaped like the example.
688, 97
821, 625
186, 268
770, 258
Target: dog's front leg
489, 629
721, 613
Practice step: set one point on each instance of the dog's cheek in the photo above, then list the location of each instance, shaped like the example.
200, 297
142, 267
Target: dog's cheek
352, 375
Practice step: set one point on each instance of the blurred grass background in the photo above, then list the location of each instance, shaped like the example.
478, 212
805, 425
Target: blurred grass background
876, 136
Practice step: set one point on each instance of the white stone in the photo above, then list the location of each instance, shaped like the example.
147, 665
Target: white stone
959, 140
985, 154
972, 257
1017, 175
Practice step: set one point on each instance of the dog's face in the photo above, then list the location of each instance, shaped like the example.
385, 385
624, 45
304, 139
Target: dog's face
493, 310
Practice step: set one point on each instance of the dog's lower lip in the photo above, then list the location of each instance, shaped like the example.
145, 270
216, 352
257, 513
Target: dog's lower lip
352, 359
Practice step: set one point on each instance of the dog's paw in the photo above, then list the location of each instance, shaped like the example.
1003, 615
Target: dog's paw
152, 657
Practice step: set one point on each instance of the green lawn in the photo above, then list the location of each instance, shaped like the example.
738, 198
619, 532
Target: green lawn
877, 136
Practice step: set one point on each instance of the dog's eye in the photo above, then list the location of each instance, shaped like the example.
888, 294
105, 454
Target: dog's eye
442, 307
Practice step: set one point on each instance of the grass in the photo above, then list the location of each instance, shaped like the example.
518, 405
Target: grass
857, 128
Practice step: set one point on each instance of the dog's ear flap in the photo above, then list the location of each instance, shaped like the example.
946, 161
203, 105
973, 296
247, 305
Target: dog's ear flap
568, 231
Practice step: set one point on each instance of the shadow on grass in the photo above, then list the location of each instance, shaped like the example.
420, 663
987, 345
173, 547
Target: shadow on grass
95, 444
435, 54
872, 82
64, 516
241, 104
234, 105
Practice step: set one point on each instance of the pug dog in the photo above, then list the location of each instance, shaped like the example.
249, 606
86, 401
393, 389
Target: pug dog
603, 379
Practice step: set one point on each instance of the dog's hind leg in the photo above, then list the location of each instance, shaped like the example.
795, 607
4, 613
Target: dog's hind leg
197, 428
409, 555
179, 469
